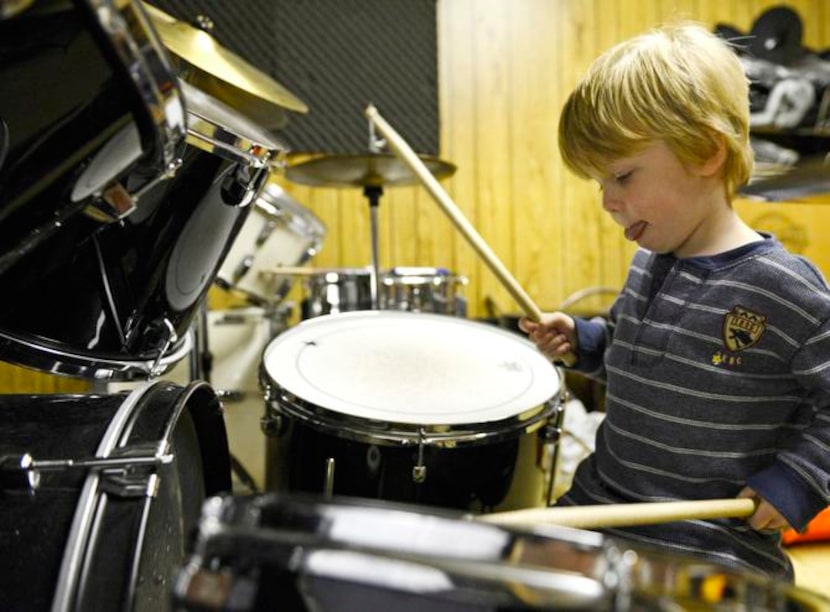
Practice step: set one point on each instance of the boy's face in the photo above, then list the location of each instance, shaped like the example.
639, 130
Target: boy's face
662, 204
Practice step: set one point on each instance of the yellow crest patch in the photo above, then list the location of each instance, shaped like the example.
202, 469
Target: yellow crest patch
742, 328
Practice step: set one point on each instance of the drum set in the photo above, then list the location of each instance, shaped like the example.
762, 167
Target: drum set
138, 161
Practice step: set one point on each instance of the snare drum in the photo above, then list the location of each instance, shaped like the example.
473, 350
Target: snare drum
414, 289
278, 232
89, 97
413, 407
116, 303
304, 553
108, 537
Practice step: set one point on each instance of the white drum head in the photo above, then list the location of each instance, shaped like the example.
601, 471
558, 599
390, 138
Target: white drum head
411, 368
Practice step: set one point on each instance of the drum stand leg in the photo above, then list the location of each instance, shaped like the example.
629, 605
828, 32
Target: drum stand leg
201, 359
373, 193
201, 366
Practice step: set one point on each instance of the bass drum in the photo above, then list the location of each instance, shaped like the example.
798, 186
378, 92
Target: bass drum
117, 303
89, 97
411, 407
279, 232
297, 552
109, 537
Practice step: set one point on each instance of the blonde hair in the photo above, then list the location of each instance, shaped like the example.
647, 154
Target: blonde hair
680, 84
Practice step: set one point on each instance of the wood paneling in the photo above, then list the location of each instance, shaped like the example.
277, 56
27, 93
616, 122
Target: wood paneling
505, 68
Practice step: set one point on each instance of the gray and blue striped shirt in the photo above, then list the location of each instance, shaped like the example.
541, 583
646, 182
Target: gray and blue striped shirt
718, 376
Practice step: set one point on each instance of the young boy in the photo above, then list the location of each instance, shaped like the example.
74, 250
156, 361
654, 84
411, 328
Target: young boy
716, 353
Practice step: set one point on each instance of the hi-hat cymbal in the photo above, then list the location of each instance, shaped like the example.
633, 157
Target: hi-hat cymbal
363, 170
221, 73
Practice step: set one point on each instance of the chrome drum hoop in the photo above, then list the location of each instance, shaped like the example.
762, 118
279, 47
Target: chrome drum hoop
282, 403
139, 48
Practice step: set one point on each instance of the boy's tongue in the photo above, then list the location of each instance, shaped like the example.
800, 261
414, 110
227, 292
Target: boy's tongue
632, 232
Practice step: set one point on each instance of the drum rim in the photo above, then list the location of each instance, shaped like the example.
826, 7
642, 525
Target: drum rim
245, 141
58, 358
527, 420
120, 437
280, 402
145, 61
273, 198
272, 379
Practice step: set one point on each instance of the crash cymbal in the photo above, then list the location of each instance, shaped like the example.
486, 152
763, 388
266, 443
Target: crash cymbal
222, 74
780, 183
363, 170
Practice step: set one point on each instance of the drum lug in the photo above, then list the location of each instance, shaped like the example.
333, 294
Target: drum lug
241, 186
419, 471
272, 424
243, 268
114, 203
129, 483
171, 338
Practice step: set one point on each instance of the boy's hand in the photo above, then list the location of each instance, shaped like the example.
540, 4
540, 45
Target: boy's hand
554, 335
765, 517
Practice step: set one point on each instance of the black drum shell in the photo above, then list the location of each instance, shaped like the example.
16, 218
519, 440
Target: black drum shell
65, 95
136, 541
499, 474
107, 292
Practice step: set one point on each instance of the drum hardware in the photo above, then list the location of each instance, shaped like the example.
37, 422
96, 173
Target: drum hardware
116, 202
222, 74
549, 437
372, 172
328, 488
419, 471
170, 337
23, 471
411, 159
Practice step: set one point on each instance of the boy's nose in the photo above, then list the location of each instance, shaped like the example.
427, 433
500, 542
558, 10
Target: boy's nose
609, 202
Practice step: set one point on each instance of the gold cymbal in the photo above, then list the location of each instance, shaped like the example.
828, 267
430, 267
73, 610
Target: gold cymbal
221, 73
363, 170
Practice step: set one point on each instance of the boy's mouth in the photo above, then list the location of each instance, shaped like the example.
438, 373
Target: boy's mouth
633, 231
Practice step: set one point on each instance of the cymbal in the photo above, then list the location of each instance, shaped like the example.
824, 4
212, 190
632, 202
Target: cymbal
221, 73
777, 182
363, 170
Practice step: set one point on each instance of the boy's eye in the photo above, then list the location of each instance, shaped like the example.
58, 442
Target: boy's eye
623, 177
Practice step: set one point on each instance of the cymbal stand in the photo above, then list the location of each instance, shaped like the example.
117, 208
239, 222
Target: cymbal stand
373, 194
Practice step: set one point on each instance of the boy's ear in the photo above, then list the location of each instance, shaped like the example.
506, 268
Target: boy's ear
713, 165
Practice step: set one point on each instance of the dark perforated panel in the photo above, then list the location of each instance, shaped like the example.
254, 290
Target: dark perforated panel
337, 56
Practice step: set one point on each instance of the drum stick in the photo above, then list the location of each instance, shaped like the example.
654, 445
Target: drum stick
403, 150
620, 515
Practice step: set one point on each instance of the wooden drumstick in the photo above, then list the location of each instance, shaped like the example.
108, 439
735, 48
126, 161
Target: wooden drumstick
619, 515
403, 150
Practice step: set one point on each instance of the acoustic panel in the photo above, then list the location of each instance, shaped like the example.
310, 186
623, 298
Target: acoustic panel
337, 56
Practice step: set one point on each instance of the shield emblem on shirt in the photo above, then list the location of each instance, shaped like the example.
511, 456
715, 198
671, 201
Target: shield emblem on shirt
742, 328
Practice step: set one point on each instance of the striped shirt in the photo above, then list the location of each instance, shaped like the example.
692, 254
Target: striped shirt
718, 377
